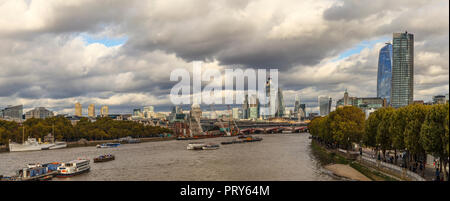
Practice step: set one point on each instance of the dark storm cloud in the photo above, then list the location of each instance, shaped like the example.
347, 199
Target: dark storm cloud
45, 61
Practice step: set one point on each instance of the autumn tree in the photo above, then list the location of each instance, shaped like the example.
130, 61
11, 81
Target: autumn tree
434, 134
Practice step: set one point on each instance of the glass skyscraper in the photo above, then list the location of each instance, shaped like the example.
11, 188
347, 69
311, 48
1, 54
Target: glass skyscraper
324, 105
384, 78
402, 69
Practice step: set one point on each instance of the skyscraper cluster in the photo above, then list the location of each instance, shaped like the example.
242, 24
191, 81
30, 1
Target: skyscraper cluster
395, 80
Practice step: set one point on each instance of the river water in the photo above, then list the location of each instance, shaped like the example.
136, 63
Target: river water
279, 157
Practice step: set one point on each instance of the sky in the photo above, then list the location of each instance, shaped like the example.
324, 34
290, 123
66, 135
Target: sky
121, 53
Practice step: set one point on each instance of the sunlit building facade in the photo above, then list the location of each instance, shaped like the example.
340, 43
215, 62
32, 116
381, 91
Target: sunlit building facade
402, 69
384, 77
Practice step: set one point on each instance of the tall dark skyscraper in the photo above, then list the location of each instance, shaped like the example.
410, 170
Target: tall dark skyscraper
402, 69
245, 108
384, 78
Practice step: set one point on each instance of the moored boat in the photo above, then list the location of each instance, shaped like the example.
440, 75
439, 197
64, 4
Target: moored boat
73, 168
104, 158
33, 172
31, 144
211, 147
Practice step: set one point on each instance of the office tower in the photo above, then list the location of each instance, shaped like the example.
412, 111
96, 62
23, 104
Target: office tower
78, 110
271, 107
330, 101
246, 108
402, 69
38, 113
149, 112
254, 107
195, 124
384, 78
280, 104
104, 111
137, 112
91, 110
297, 104
324, 105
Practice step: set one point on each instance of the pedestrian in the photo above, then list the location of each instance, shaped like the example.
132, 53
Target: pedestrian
437, 175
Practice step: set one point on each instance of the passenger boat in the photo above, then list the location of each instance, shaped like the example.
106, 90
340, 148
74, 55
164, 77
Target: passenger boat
211, 147
196, 146
108, 145
33, 172
52, 166
104, 158
73, 168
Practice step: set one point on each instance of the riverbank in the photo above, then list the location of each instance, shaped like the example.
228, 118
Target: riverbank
341, 166
86, 143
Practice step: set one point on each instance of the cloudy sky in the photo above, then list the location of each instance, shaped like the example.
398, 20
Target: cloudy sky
54, 53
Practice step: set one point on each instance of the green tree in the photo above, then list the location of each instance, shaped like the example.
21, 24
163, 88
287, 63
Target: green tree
383, 138
415, 117
347, 125
434, 134
397, 129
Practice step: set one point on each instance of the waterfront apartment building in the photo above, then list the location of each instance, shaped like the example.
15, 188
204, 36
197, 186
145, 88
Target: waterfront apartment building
384, 78
402, 69
324, 105
91, 110
78, 110
39, 113
104, 111
14, 113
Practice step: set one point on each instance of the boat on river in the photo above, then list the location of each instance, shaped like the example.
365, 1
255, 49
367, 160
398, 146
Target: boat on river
252, 139
108, 145
33, 172
196, 146
31, 144
211, 147
73, 168
104, 158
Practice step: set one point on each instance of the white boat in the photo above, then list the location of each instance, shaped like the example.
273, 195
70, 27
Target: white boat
58, 145
30, 145
196, 146
33, 145
73, 168
108, 145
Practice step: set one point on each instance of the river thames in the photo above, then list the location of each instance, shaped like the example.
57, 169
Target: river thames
279, 157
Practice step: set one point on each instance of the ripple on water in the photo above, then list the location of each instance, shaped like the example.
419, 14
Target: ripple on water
278, 157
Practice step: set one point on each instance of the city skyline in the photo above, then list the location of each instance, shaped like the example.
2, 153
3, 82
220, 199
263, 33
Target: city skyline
101, 61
